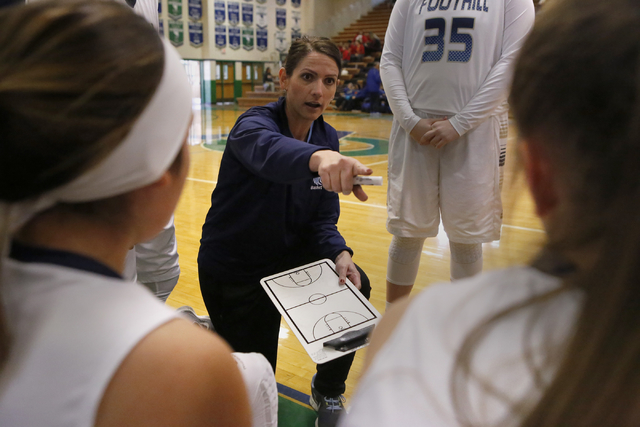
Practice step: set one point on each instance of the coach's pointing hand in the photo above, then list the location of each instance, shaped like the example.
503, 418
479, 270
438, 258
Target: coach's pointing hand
337, 172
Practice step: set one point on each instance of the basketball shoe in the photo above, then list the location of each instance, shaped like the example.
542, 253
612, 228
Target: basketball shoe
203, 321
329, 408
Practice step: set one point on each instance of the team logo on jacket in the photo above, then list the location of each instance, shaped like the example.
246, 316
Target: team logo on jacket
317, 183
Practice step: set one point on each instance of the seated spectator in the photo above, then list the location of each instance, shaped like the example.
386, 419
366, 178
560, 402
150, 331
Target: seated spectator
358, 53
365, 39
267, 80
346, 99
352, 47
342, 47
373, 44
346, 55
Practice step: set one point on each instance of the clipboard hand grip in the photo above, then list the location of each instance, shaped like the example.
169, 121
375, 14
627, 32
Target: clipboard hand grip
350, 340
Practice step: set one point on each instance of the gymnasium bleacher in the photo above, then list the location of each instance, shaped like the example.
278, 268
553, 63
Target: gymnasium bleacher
375, 21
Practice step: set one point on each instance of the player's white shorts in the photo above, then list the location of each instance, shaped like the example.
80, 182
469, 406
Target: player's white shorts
460, 181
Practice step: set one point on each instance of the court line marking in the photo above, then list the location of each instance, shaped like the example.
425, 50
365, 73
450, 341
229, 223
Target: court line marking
202, 180
351, 202
537, 230
377, 163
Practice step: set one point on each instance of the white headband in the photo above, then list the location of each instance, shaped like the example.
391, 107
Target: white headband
140, 159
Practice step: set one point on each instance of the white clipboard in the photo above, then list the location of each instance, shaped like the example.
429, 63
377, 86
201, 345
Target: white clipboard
318, 309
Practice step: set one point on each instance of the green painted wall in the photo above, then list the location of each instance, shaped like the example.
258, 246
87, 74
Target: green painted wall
237, 89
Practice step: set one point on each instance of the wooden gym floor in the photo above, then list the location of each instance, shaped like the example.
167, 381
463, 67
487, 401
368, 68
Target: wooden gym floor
362, 224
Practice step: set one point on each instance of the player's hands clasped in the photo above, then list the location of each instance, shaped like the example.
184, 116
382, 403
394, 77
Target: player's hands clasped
337, 172
434, 132
422, 127
441, 133
346, 268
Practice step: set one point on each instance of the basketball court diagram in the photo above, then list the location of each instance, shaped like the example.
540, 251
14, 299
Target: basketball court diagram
316, 306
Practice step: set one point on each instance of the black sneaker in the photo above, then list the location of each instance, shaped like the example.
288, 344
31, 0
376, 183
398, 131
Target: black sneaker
329, 408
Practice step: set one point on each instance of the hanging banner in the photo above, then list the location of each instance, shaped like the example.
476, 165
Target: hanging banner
175, 9
261, 1
247, 38
195, 10
195, 34
247, 14
281, 2
233, 9
159, 7
261, 16
219, 12
221, 36
281, 18
296, 18
295, 3
234, 38
176, 33
281, 41
295, 35
161, 27
262, 39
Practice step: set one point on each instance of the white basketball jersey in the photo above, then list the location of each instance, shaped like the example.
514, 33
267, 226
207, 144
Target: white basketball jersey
453, 42
455, 56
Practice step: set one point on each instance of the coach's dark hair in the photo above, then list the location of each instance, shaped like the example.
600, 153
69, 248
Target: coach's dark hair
576, 95
305, 45
74, 77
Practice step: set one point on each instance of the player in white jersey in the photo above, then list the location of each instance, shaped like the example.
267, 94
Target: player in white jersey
555, 345
446, 68
92, 161
155, 263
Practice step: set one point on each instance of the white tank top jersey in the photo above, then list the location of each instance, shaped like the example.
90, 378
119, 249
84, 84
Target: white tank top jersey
147, 9
72, 329
452, 58
409, 382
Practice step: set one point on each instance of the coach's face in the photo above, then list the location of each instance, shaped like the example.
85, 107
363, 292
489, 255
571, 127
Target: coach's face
311, 87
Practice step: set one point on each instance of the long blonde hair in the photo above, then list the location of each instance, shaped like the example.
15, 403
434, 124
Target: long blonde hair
74, 76
576, 93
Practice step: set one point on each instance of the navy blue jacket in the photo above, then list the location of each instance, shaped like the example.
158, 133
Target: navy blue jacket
267, 202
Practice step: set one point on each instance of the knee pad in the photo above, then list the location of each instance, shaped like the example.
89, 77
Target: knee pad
464, 253
466, 260
262, 390
404, 260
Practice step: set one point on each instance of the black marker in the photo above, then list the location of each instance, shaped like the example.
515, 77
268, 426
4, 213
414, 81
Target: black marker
350, 340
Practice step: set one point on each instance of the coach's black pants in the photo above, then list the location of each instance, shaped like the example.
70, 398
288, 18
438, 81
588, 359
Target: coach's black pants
245, 317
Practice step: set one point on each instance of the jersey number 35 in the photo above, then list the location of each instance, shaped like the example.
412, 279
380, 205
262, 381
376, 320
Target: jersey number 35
456, 37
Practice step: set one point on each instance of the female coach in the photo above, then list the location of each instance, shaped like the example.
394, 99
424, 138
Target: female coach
270, 212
